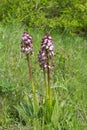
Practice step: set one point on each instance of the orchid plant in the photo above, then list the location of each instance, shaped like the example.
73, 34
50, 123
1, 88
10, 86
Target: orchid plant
27, 48
45, 59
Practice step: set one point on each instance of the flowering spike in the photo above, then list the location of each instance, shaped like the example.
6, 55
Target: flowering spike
46, 52
26, 43
26, 47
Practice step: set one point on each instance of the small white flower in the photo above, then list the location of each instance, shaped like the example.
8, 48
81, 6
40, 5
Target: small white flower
45, 41
45, 65
43, 54
24, 38
26, 49
51, 47
49, 37
30, 37
47, 47
49, 43
29, 41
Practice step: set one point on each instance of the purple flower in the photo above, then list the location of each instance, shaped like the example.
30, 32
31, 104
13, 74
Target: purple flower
26, 43
46, 52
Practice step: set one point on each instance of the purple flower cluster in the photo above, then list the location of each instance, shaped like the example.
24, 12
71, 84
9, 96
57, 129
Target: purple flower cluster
46, 52
26, 43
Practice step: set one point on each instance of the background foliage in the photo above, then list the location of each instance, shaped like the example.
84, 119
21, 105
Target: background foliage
69, 78
69, 82
68, 15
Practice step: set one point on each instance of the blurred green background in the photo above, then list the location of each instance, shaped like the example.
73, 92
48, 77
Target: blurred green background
62, 15
66, 21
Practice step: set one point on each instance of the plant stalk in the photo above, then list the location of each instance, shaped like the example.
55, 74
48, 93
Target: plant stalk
44, 71
30, 71
48, 72
48, 75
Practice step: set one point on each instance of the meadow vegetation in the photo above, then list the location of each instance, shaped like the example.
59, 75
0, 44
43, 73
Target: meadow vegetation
22, 109
68, 82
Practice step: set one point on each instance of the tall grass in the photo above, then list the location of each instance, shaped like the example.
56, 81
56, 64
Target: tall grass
18, 108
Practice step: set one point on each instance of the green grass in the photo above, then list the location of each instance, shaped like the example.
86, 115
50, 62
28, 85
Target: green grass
69, 82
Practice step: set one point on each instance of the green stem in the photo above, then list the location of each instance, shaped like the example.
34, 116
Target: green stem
29, 66
44, 77
44, 72
48, 72
30, 71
